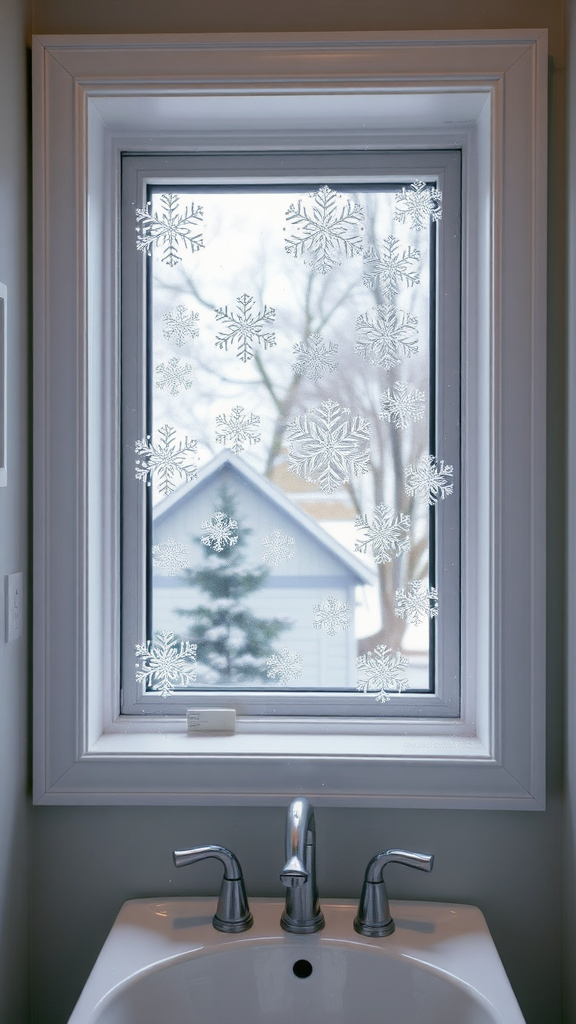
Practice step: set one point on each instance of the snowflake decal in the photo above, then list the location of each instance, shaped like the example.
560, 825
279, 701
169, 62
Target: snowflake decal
170, 557
418, 205
246, 327
403, 405
165, 460
219, 532
387, 337
277, 547
284, 666
315, 357
332, 615
390, 267
169, 229
238, 430
165, 664
173, 376
380, 672
327, 445
428, 480
416, 602
180, 325
328, 229
388, 533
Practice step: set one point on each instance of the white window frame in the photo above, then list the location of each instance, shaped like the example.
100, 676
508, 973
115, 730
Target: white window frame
440, 167
484, 92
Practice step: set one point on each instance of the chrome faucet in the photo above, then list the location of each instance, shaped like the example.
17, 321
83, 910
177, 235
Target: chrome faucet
374, 918
233, 913
302, 913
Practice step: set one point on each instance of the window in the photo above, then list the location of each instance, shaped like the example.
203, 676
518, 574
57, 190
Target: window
277, 578
124, 123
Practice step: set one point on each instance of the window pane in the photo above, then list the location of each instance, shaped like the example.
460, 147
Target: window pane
290, 445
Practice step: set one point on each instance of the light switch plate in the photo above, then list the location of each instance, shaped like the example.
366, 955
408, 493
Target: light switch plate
14, 606
3, 382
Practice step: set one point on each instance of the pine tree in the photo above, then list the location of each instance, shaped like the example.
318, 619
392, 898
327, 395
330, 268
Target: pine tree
232, 642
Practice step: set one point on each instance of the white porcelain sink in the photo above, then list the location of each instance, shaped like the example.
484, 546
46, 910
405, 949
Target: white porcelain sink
163, 963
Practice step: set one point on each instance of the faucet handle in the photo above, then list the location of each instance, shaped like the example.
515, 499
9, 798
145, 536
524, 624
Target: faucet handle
373, 918
233, 913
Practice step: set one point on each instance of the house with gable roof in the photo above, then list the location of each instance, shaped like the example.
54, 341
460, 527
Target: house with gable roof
319, 567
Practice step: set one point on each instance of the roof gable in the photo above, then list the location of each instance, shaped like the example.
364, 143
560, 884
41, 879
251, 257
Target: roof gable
271, 494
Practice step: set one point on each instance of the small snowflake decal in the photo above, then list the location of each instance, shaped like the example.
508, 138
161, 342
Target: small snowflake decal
315, 357
403, 405
284, 666
327, 445
165, 460
277, 547
387, 337
427, 480
169, 229
219, 532
170, 557
388, 533
174, 376
332, 615
380, 672
238, 430
180, 325
328, 229
166, 664
390, 267
416, 602
418, 205
245, 328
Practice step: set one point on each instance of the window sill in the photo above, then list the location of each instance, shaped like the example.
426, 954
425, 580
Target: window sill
265, 737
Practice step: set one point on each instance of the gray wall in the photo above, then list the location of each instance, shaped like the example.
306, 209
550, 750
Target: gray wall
570, 805
14, 813
87, 861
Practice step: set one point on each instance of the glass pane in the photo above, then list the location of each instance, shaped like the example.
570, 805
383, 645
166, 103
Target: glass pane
290, 453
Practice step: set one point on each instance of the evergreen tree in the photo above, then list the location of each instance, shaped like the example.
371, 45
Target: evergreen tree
232, 641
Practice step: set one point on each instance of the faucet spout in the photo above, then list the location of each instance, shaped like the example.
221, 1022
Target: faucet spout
302, 913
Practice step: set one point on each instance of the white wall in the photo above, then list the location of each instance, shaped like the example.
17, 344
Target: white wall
87, 861
13, 516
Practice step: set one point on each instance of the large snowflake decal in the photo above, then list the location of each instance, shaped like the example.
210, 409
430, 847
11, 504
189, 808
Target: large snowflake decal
327, 445
427, 480
277, 547
418, 204
165, 664
169, 229
173, 376
388, 533
170, 557
416, 602
328, 229
180, 325
331, 615
381, 672
315, 357
219, 532
165, 460
246, 327
238, 429
284, 666
387, 336
402, 405
390, 267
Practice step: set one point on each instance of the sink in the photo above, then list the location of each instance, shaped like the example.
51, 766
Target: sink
163, 963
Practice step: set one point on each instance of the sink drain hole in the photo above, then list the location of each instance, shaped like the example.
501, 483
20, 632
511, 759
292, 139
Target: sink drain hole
302, 968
